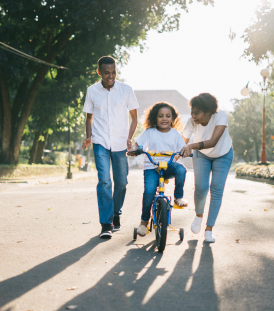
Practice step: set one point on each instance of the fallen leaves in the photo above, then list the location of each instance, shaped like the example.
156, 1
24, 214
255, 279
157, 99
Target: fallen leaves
72, 307
86, 223
237, 240
110, 284
72, 288
266, 210
19, 241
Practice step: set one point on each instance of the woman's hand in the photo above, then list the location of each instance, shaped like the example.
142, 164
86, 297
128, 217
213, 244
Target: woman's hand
186, 151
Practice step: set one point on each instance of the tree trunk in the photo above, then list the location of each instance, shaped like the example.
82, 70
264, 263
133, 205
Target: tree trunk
40, 149
33, 150
12, 133
6, 127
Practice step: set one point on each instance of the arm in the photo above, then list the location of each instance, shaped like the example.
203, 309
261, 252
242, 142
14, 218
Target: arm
133, 125
186, 140
87, 141
218, 132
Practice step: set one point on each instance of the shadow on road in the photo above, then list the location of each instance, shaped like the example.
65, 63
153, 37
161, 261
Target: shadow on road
17, 286
129, 285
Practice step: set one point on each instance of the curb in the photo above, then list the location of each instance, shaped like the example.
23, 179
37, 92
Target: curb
34, 180
264, 180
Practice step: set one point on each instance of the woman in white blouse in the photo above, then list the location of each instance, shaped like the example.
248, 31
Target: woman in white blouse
212, 153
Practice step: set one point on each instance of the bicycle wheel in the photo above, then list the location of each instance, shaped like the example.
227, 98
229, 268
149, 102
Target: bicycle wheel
161, 224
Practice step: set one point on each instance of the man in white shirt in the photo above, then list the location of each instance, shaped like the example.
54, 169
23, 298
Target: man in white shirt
107, 105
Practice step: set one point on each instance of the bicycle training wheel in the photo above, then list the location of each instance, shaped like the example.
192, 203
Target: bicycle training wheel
161, 224
135, 234
181, 233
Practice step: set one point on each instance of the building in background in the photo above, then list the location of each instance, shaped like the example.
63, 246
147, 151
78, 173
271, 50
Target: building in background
149, 98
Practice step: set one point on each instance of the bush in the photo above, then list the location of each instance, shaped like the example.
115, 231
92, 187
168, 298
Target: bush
56, 158
256, 171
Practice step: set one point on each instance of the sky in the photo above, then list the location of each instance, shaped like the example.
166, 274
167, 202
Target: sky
199, 57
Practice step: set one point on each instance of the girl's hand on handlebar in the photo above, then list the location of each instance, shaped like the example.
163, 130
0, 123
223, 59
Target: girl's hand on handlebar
186, 151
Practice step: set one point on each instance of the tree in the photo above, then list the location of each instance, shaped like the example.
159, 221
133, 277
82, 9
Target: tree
245, 127
260, 35
65, 33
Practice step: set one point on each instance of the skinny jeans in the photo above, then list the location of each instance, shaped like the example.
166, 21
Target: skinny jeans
218, 168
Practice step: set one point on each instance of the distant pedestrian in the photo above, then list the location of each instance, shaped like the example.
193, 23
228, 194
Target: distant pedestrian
108, 105
212, 154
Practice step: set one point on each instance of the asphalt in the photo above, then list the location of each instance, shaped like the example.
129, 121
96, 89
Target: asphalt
51, 257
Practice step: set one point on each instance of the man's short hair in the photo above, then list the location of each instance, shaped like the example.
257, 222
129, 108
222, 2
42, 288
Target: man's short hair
105, 60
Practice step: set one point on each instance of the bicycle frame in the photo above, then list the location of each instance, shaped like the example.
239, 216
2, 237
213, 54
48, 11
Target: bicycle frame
162, 166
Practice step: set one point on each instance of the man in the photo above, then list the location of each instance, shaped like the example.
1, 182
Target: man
107, 105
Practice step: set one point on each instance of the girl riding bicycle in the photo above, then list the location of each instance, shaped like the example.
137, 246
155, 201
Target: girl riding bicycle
162, 122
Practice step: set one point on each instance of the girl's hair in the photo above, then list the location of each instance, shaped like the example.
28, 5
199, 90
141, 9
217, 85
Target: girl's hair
204, 102
152, 112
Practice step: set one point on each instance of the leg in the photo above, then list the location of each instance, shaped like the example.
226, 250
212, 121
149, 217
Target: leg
119, 162
220, 169
202, 168
151, 181
104, 191
178, 171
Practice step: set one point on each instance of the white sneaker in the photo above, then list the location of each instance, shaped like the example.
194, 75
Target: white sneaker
181, 202
196, 224
209, 237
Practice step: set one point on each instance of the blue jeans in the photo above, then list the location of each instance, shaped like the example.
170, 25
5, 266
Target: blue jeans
109, 205
151, 182
219, 167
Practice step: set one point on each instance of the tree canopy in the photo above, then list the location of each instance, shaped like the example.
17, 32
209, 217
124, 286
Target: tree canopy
66, 33
260, 35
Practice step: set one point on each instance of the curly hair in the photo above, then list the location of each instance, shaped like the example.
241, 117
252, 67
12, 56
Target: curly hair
204, 102
152, 112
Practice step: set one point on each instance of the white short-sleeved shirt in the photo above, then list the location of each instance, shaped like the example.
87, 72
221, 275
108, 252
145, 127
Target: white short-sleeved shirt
203, 133
110, 109
153, 140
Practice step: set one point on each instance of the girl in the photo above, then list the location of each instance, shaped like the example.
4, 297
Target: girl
212, 154
162, 122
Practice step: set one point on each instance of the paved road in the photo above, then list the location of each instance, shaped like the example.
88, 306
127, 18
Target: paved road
51, 256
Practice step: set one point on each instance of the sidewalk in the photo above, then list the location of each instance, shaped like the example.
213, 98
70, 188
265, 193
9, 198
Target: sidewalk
44, 179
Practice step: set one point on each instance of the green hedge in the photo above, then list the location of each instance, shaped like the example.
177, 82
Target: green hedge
24, 170
256, 171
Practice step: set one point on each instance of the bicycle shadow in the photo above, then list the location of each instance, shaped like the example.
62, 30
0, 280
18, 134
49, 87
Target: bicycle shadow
128, 291
17, 286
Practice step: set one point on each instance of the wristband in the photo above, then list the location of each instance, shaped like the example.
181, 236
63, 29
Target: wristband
201, 145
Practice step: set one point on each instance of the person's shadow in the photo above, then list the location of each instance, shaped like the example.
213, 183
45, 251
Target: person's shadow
15, 287
124, 287
188, 290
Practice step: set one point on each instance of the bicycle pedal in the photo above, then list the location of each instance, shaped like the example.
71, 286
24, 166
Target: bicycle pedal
154, 227
175, 206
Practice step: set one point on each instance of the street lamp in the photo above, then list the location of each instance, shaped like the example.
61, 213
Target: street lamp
245, 91
264, 74
69, 173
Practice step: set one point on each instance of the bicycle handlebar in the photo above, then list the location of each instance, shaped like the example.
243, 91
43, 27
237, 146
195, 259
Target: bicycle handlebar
156, 154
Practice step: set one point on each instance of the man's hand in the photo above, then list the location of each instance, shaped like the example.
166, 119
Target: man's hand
129, 143
186, 151
86, 143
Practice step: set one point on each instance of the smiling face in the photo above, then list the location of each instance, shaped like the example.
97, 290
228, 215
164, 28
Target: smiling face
200, 117
108, 74
164, 119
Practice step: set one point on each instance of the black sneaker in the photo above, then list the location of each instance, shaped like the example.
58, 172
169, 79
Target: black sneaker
116, 223
106, 232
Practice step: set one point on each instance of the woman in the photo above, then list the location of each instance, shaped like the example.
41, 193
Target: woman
212, 152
